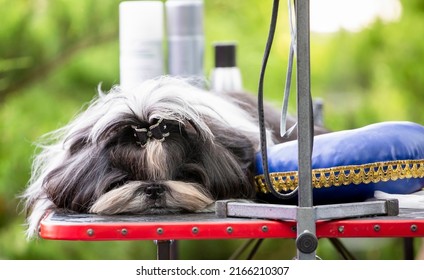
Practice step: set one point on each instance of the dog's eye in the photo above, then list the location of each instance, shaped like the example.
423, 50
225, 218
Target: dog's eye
192, 173
117, 184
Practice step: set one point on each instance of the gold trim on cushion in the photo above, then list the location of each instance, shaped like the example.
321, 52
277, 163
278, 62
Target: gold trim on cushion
345, 175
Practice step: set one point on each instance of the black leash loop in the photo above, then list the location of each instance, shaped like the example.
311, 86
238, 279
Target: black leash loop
262, 128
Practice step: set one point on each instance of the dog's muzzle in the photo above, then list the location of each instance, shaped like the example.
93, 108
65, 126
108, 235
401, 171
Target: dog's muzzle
154, 191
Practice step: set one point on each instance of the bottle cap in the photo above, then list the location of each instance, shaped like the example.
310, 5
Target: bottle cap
184, 17
225, 54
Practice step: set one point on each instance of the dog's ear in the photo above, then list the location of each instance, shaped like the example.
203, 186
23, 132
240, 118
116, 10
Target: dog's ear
80, 179
229, 164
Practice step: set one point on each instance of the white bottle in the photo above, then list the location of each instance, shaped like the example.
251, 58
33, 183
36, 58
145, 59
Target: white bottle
226, 76
141, 34
185, 37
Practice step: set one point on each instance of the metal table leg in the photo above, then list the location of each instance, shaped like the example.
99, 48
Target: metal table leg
164, 249
408, 248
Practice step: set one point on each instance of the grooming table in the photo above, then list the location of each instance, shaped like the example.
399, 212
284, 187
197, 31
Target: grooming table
167, 228
304, 222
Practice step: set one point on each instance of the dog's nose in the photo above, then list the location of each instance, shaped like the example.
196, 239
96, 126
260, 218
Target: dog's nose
154, 191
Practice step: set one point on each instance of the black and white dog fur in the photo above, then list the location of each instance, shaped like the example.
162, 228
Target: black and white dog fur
164, 147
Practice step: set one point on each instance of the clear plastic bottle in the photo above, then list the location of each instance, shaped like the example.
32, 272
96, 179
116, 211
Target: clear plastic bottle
226, 76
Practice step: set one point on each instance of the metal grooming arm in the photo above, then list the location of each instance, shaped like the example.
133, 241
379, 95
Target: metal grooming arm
305, 213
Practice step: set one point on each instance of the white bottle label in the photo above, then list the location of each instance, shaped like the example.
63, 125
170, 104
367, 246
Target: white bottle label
140, 64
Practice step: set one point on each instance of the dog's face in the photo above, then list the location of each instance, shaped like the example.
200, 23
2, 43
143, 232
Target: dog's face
180, 170
166, 147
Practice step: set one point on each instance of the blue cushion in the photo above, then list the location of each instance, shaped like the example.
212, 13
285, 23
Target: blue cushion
349, 165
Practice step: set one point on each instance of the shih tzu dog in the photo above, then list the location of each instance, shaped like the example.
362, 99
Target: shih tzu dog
164, 147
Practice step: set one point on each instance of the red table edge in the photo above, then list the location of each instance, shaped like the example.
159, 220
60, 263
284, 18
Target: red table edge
233, 229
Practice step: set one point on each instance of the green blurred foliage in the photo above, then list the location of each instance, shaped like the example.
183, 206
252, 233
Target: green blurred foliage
374, 75
54, 54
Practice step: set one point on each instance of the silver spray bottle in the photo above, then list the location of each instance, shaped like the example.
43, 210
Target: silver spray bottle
185, 37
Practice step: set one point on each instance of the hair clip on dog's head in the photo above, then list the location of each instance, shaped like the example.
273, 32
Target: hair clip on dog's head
159, 130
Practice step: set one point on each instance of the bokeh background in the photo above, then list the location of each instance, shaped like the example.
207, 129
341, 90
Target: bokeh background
367, 65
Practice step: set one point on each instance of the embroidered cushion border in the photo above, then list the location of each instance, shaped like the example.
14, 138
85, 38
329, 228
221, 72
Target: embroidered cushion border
346, 175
